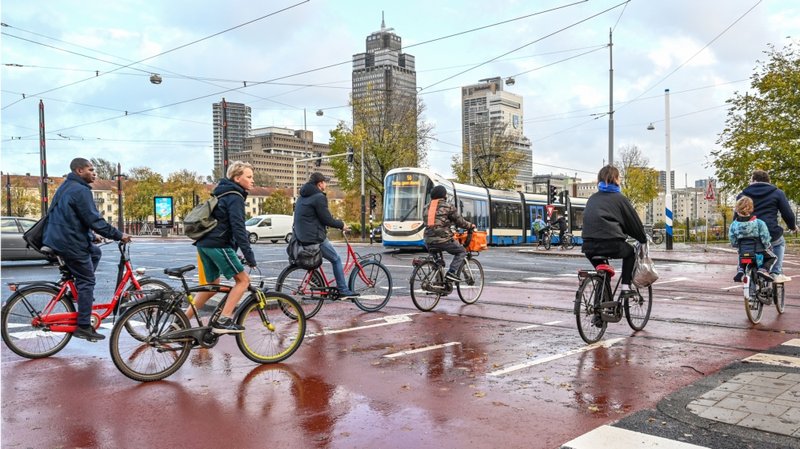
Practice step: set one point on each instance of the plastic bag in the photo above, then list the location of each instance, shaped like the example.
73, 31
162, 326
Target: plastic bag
644, 272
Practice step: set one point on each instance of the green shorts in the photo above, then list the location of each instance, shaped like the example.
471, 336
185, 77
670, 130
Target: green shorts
218, 261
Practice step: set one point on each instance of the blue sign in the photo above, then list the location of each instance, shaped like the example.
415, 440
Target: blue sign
163, 211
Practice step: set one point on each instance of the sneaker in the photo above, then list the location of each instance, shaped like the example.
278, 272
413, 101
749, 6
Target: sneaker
87, 333
450, 276
225, 325
780, 278
739, 276
343, 294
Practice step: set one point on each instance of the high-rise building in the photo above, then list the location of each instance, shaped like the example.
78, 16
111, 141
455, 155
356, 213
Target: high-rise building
238, 118
662, 179
486, 111
384, 78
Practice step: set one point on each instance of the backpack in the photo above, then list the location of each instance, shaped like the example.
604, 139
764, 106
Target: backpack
307, 257
199, 221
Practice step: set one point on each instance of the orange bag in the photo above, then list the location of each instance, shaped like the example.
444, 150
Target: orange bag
478, 242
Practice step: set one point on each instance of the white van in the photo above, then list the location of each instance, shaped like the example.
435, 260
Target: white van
269, 227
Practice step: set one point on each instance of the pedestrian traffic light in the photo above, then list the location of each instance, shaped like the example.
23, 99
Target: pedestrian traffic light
553, 195
350, 155
373, 201
318, 162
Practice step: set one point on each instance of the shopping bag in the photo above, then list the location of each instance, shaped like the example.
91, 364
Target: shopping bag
644, 272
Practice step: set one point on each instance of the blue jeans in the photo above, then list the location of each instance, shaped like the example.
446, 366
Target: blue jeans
778, 247
329, 253
83, 269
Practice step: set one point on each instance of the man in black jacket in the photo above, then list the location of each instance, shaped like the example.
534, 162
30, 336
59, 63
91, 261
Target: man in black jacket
311, 218
71, 224
769, 201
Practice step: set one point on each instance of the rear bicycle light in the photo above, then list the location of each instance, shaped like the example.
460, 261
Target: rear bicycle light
746, 260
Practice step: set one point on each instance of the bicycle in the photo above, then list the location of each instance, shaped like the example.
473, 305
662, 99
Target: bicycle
656, 235
428, 282
274, 328
757, 287
40, 316
567, 242
367, 276
547, 238
595, 306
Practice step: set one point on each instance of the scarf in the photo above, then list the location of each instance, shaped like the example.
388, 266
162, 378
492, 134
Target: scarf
603, 187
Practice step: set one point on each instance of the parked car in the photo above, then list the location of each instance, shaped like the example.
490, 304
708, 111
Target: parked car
269, 227
12, 246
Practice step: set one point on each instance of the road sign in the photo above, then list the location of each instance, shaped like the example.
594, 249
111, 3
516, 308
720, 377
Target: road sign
710, 191
549, 208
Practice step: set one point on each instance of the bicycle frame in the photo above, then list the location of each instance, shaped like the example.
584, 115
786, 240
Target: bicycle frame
68, 321
352, 261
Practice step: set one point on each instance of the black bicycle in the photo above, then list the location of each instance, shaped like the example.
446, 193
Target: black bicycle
758, 287
595, 305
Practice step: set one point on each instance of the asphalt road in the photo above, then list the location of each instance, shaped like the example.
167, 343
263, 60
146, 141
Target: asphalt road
509, 371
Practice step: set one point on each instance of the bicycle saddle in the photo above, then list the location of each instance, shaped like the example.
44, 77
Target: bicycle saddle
47, 251
178, 271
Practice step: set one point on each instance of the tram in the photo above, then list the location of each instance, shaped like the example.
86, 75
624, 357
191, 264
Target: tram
506, 215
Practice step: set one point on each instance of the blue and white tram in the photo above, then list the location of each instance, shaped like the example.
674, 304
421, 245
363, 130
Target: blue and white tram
506, 215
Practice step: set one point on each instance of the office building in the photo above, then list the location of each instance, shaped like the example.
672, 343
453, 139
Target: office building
238, 120
488, 110
662, 179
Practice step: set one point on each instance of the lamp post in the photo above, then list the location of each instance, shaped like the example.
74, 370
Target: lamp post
8, 194
363, 199
120, 215
667, 187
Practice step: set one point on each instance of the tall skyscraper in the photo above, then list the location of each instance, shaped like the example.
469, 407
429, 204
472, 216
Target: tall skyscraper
384, 78
486, 111
238, 128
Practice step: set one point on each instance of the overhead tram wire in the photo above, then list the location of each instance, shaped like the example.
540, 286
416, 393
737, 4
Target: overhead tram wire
176, 48
528, 44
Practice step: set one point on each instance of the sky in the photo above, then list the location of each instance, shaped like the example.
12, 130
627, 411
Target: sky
89, 62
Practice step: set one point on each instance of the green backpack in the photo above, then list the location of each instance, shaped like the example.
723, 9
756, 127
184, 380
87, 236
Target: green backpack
199, 221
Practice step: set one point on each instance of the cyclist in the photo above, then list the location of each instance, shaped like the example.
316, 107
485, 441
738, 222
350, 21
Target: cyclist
438, 235
311, 216
540, 227
71, 226
607, 221
561, 223
216, 250
746, 226
768, 201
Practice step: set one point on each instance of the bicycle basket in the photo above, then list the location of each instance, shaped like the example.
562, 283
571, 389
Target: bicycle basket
477, 243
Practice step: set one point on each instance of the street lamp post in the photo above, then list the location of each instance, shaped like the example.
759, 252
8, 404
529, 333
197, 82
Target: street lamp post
363, 199
668, 188
120, 215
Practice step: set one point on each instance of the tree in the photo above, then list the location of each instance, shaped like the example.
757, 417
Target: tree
494, 157
762, 130
277, 203
262, 178
24, 201
183, 185
390, 128
639, 182
142, 185
104, 169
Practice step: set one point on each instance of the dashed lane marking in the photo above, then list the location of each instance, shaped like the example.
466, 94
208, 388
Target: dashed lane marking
388, 320
506, 282
731, 287
533, 326
671, 280
618, 438
550, 358
418, 350
773, 359
792, 342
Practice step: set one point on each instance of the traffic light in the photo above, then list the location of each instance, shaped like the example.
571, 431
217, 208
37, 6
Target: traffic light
349, 155
373, 201
553, 196
318, 162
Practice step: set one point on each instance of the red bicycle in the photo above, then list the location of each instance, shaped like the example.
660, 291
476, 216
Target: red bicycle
39, 317
368, 277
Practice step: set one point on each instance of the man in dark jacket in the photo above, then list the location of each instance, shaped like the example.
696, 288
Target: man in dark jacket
439, 217
769, 201
561, 224
71, 224
216, 250
311, 219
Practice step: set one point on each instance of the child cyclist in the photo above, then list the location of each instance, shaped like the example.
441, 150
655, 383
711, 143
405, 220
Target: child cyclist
747, 226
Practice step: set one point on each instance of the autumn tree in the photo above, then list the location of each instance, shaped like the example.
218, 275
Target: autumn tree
762, 129
104, 169
639, 182
495, 157
24, 201
391, 130
142, 185
277, 203
183, 185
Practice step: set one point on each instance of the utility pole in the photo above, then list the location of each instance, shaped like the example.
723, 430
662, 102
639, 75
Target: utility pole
120, 215
668, 188
610, 100
224, 138
363, 205
43, 158
8, 194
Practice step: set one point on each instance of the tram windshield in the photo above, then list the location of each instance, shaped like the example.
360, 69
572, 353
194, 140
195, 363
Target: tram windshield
406, 196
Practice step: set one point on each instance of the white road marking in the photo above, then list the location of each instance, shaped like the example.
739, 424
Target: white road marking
550, 358
792, 342
533, 326
506, 282
731, 287
538, 279
618, 438
426, 348
774, 359
671, 280
389, 320
392, 317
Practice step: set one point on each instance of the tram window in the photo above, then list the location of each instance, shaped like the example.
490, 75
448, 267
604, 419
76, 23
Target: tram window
481, 214
506, 215
577, 219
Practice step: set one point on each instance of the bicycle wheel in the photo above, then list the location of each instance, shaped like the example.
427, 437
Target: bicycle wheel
298, 283
547, 241
569, 242
153, 358
373, 284
19, 331
470, 286
590, 326
423, 278
778, 298
637, 308
752, 306
146, 285
270, 333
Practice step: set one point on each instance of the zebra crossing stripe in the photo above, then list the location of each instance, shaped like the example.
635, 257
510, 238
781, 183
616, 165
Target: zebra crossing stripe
618, 438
